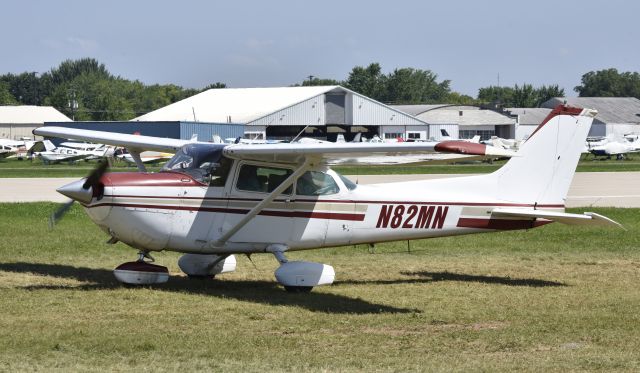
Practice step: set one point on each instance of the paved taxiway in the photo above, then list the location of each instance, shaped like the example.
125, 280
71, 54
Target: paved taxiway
615, 189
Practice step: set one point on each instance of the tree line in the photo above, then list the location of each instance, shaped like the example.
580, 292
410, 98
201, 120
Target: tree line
85, 90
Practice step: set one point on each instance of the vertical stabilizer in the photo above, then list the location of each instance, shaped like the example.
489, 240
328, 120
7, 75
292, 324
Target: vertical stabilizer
543, 172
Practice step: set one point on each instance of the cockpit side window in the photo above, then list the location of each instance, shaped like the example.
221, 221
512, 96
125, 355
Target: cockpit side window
253, 178
220, 171
316, 183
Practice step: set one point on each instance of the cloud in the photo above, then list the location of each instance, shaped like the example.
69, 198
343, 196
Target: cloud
255, 44
85, 45
252, 62
71, 43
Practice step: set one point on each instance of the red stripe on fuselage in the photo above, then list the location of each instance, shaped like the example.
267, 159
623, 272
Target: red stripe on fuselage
289, 214
500, 224
151, 179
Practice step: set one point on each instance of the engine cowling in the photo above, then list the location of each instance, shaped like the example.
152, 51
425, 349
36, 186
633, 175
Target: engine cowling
305, 274
201, 265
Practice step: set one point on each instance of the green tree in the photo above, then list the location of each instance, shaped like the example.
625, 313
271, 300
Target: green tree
460, 99
496, 95
215, 85
368, 81
609, 83
6, 98
518, 96
414, 86
319, 81
546, 93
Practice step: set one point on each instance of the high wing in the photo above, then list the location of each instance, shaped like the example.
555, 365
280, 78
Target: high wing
132, 142
327, 153
358, 153
588, 218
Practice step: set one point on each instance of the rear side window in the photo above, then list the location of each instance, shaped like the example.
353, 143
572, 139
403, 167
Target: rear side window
315, 183
261, 179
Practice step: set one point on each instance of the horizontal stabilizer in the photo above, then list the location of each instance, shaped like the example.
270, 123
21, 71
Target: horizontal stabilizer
588, 218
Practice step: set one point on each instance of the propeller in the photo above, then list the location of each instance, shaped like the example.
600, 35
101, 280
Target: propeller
79, 190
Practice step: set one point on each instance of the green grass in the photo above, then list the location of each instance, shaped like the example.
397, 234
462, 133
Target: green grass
35, 168
550, 299
15, 168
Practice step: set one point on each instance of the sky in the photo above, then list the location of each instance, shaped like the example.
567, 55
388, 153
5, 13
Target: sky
278, 43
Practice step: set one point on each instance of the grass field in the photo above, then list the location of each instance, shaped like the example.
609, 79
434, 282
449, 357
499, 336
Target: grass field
550, 299
15, 168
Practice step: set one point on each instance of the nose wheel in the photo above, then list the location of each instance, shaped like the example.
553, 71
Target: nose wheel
141, 272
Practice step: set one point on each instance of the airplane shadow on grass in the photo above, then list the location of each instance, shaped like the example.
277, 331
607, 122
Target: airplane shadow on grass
427, 277
249, 291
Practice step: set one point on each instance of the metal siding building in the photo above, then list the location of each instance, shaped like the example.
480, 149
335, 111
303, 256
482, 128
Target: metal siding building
283, 112
20, 121
617, 116
528, 120
469, 120
309, 112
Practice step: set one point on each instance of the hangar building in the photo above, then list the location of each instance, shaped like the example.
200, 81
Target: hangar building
462, 121
19, 121
528, 120
285, 112
617, 116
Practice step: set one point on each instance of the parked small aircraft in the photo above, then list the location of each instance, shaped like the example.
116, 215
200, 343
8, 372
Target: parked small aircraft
15, 148
215, 200
609, 146
148, 157
57, 154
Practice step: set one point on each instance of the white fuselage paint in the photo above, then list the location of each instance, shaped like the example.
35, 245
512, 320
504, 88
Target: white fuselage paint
179, 214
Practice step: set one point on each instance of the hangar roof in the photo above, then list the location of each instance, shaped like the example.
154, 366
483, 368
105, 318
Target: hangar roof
417, 109
464, 115
26, 114
529, 116
243, 105
610, 109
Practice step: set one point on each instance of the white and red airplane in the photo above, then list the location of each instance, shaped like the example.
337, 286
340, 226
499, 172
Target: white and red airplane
215, 200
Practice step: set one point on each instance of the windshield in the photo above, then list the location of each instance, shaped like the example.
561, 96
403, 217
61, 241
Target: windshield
348, 183
203, 162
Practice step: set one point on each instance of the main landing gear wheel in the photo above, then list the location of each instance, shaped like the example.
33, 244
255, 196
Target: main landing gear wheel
299, 276
141, 272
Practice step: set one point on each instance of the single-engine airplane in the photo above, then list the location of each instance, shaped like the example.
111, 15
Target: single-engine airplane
211, 201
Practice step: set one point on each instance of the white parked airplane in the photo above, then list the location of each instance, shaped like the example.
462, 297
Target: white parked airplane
148, 157
15, 148
215, 200
608, 147
57, 154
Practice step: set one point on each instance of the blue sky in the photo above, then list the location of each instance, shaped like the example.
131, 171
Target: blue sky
278, 43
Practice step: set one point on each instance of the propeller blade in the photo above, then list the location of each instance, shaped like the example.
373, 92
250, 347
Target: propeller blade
92, 181
96, 174
59, 213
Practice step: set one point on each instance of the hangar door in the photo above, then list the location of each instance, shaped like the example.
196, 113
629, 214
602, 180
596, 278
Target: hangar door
334, 106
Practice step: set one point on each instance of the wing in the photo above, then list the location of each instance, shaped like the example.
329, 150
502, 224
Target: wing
131, 142
588, 218
347, 153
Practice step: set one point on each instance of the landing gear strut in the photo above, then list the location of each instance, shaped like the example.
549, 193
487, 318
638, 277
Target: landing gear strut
141, 272
298, 276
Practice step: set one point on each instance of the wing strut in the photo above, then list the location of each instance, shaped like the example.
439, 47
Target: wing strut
135, 154
260, 206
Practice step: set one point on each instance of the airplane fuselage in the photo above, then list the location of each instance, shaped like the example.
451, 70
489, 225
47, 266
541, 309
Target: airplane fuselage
173, 211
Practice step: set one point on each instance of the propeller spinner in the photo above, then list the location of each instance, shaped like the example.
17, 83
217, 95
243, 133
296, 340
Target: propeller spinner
79, 190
